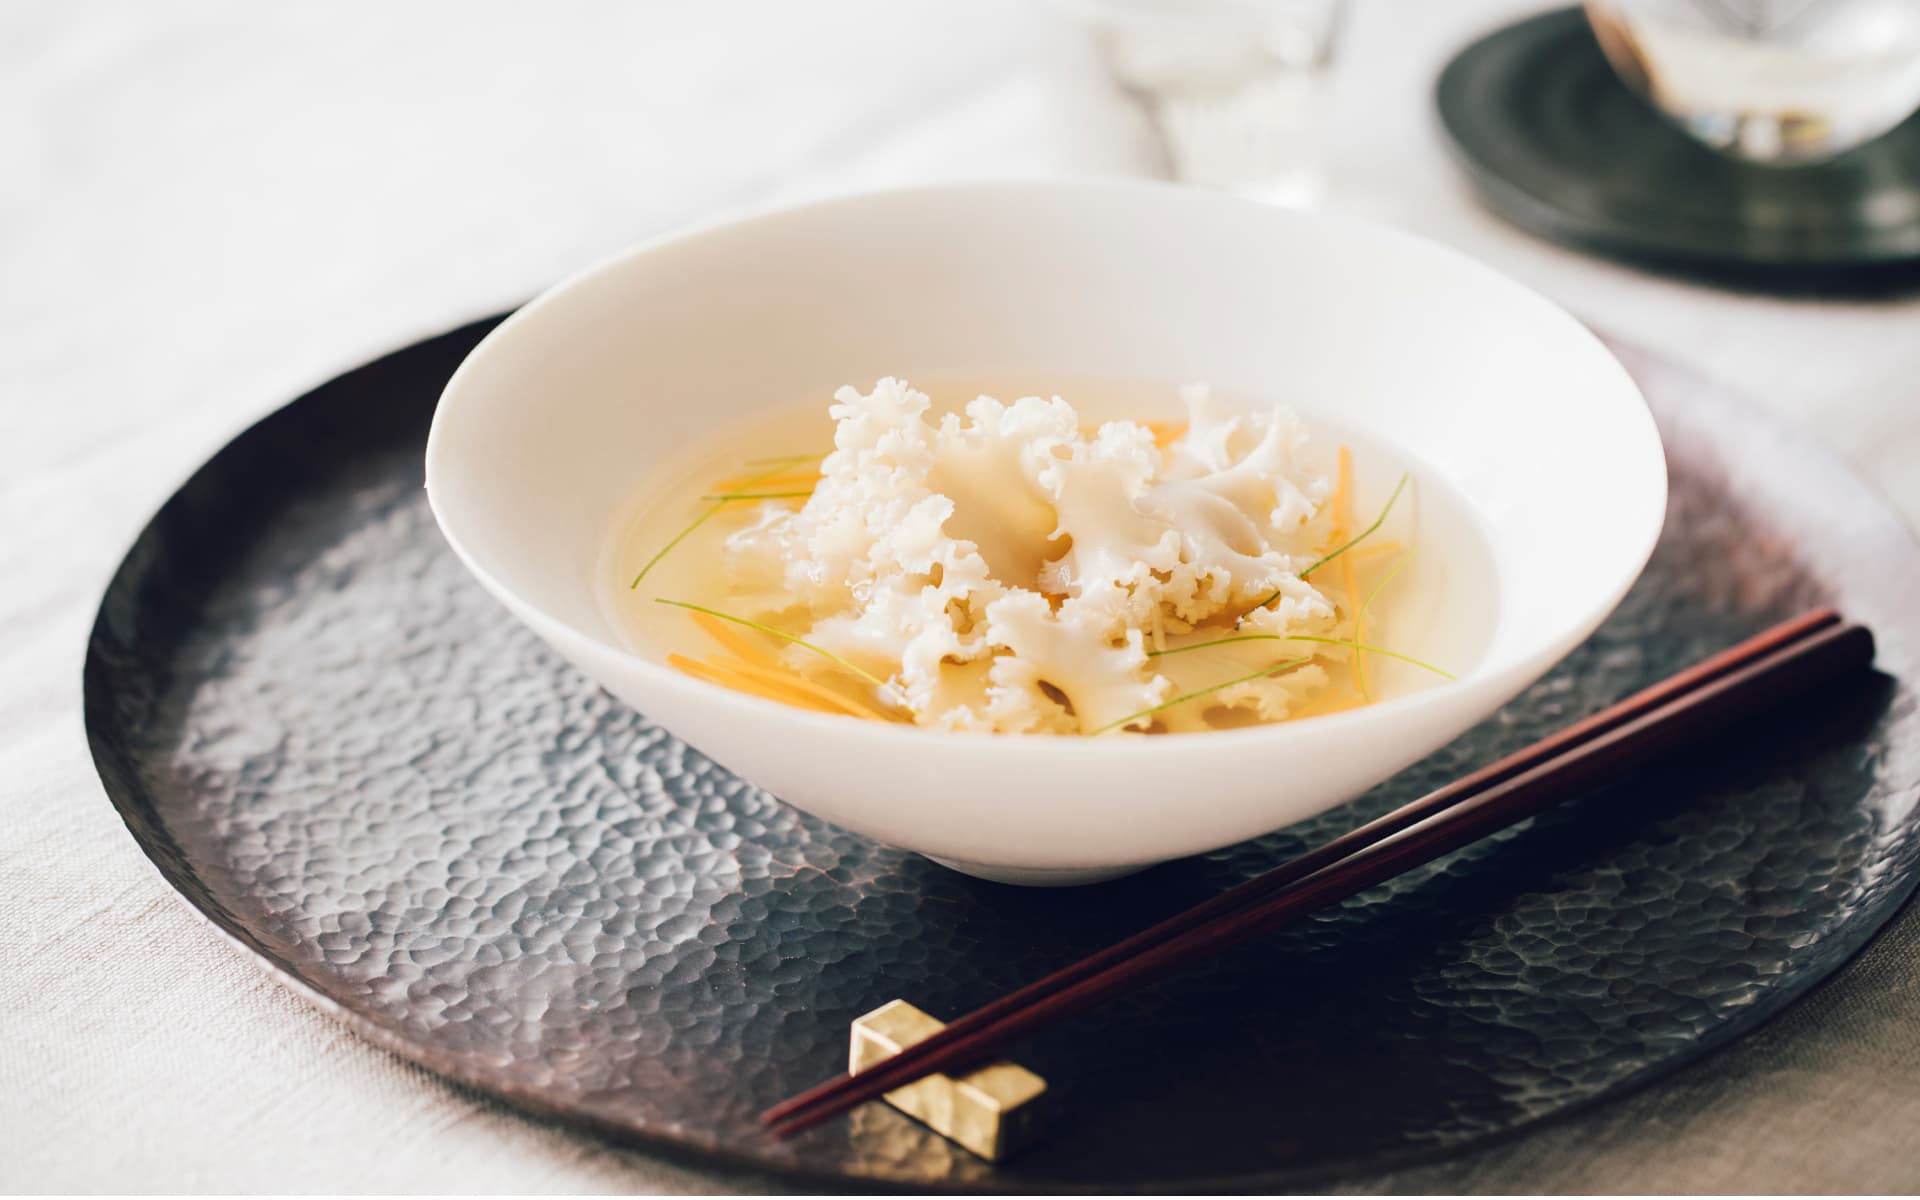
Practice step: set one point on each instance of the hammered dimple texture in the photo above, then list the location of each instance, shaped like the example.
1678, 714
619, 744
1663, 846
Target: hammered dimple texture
355, 763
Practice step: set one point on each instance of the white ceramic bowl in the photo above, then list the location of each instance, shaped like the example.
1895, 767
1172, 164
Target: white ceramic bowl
557, 419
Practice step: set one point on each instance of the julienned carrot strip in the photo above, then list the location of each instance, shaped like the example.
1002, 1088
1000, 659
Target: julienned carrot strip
733, 681
1343, 522
799, 685
1342, 501
709, 673
729, 637
756, 663
773, 684
771, 483
1166, 433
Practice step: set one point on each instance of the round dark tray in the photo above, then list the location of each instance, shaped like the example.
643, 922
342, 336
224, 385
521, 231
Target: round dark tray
360, 769
1557, 144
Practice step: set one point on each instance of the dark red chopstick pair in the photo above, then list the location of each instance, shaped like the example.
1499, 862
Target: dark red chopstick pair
1792, 657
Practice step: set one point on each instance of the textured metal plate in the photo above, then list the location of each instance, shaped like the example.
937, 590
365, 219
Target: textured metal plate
355, 764
1557, 144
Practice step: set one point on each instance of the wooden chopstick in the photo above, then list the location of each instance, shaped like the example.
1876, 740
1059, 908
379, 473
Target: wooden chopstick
1265, 884
1794, 655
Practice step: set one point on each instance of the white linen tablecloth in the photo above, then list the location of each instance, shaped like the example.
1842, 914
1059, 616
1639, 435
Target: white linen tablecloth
206, 207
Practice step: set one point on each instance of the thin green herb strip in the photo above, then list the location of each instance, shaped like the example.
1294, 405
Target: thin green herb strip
698, 521
1357, 538
1405, 658
1280, 666
1384, 581
1349, 544
882, 684
755, 495
1361, 615
1300, 637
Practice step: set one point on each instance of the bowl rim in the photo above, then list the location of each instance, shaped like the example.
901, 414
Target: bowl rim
1526, 665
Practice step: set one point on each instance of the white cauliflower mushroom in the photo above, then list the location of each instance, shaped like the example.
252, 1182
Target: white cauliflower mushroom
1009, 571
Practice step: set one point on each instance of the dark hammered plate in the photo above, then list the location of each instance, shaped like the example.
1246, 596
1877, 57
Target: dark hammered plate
358, 767
1558, 145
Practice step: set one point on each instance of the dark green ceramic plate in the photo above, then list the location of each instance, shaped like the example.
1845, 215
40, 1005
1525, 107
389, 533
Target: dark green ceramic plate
1558, 145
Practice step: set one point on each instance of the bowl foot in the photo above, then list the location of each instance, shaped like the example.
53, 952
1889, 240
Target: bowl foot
1039, 876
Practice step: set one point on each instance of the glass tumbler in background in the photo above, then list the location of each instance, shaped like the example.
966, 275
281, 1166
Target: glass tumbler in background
1236, 87
1770, 81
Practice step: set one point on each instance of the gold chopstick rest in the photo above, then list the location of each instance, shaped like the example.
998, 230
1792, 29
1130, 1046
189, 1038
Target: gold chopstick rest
993, 1111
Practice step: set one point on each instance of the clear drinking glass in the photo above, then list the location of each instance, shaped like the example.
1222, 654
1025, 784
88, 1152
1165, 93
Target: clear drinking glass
1771, 81
1237, 87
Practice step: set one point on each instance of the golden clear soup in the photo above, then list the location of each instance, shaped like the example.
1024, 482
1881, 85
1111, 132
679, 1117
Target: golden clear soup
1440, 605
